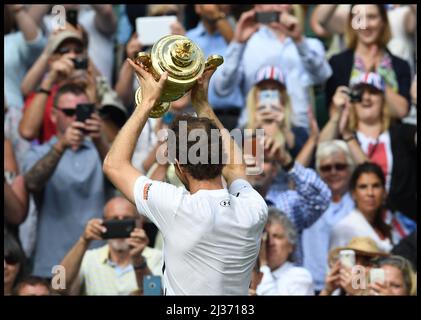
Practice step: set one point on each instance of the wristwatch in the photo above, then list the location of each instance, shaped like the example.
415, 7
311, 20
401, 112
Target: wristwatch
41, 90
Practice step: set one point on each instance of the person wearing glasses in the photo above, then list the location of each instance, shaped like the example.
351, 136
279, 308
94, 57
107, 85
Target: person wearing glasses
400, 279
64, 175
65, 60
335, 165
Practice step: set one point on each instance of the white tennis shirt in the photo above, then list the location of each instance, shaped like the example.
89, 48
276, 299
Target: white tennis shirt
211, 237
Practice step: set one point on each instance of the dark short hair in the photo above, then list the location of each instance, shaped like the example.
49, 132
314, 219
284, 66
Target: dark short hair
31, 281
69, 87
199, 171
366, 167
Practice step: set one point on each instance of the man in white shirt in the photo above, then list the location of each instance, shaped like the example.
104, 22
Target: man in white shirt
280, 276
211, 234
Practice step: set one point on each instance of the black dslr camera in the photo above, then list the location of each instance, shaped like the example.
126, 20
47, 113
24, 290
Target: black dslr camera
80, 63
355, 94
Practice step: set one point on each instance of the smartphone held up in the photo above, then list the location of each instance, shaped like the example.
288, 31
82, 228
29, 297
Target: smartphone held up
267, 17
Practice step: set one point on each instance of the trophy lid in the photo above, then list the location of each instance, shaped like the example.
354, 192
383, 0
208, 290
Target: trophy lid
179, 56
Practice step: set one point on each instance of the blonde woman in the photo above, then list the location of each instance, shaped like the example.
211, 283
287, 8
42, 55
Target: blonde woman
269, 108
368, 33
362, 117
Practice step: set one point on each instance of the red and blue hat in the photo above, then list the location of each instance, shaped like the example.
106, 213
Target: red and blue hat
270, 72
369, 78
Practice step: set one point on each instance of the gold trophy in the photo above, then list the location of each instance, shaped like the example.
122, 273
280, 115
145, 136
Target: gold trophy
183, 60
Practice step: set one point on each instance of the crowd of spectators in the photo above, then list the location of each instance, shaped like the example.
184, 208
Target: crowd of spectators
333, 86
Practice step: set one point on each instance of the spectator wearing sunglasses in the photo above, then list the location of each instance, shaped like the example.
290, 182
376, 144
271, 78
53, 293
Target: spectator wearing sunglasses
65, 58
334, 164
65, 176
400, 279
14, 262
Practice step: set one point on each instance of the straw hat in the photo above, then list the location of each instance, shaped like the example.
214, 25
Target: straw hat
363, 246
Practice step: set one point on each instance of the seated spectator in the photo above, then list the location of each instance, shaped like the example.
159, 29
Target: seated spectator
400, 279
335, 165
14, 262
368, 53
339, 280
370, 218
365, 125
32, 286
269, 108
65, 175
280, 276
118, 267
304, 203
279, 43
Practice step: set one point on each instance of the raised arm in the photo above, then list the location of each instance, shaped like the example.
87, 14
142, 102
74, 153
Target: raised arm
25, 22
311, 51
326, 20
37, 177
31, 122
117, 164
73, 259
235, 167
230, 74
124, 85
15, 201
306, 153
105, 19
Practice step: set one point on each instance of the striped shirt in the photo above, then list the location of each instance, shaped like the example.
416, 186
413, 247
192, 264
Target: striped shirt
101, 276
305, 204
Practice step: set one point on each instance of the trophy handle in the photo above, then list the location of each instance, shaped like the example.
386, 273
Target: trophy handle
158, 110
143, 58
214, 61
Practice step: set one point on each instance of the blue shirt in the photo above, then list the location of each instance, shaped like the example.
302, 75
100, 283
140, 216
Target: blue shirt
303, 66
304, 205
74, 194
215, 44
316, 239
19, 55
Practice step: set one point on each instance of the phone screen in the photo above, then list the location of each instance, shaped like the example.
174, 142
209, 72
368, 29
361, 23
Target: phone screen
71, 16
84, 111
152, 285
267, 17
118, 228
